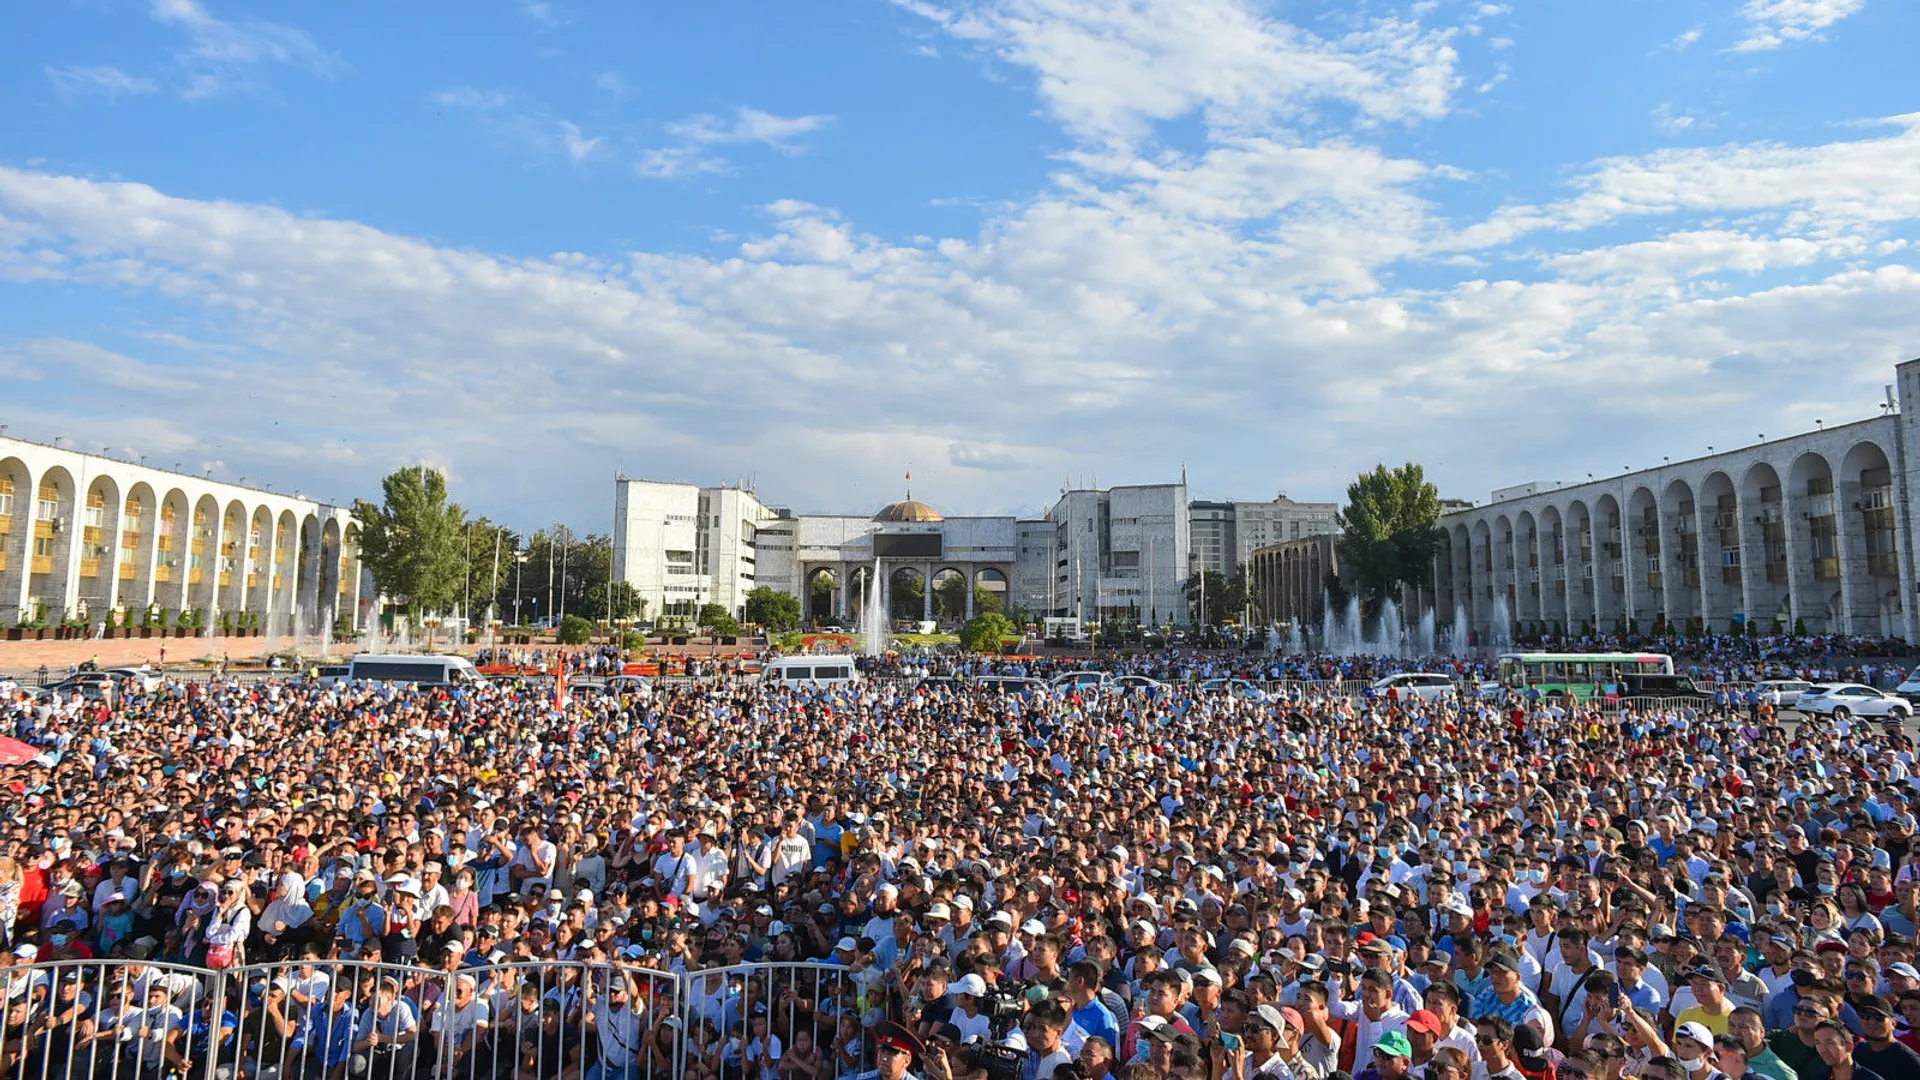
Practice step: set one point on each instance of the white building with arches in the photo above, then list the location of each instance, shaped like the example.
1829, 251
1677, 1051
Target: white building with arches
1815, 529
83, 534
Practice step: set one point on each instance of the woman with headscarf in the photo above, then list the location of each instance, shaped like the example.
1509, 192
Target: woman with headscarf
283, 926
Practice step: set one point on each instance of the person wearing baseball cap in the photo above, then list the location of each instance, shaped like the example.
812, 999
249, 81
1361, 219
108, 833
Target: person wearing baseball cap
897, 1051
1263, 1033
1879, 1050
1392, 1057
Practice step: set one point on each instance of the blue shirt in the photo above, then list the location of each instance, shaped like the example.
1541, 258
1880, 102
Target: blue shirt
1095, 1019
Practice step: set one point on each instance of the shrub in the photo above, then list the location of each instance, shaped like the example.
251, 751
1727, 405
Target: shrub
575, 630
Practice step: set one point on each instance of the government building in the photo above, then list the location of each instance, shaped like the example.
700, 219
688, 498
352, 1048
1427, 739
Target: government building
1121, 553
84, 534
1814, 530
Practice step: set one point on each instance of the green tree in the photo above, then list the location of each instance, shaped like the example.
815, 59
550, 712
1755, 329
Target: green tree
1388, 536
984, 632
711, 614
906, 596
413, 541
575, 630
725, 625
489, 551
1226, 597
768, 606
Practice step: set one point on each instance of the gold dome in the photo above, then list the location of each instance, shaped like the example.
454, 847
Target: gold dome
908, 510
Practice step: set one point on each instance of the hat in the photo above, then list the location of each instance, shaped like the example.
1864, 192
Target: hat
846, 944
1709, 973
971, 985
1378, 946
1394, 1044
1033, 926
27, 951
1424, 1022
1695, 1030
963, 901
939, 911
888, 1033
1000, 918
1207, 975
1530, 1046
1157, 1028
1503, 962
1872, 1005
1270, 1016
1905, 969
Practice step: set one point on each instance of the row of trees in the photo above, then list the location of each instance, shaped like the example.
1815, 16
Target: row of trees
423, 548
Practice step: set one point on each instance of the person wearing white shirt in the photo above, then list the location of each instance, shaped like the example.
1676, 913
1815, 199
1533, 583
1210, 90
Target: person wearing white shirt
1375, 1013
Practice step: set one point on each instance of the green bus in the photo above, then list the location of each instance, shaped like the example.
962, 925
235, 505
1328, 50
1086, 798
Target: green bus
1579, 674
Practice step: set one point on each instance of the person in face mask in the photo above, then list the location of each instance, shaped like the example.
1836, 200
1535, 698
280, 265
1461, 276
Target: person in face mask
1693, 1048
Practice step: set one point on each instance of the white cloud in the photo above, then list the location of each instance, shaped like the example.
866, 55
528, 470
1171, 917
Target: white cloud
1773, 23
1140, 304
690, 154
1671, 122
468, 97
579, 147
612, 83
522, 127
1108, 72
221, 53
542, 12
1686, 38
98, 81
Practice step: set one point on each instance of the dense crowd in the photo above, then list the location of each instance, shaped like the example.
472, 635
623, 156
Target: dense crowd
782, 883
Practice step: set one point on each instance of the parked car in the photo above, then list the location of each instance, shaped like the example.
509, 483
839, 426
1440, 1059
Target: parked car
1854, 699
145, 679
1788, 689
1127, 684
1662, 686
1909, 687
638, 685
1239, 688
1009, 684
1426, 686
90, 686
1081, 680
331, 676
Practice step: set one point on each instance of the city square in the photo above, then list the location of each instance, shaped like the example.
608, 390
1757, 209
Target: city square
973, 540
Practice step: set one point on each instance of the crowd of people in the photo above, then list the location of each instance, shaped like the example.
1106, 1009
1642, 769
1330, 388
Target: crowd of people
731, 879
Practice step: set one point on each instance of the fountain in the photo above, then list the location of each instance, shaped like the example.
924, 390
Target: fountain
1347, 634
1459, 637
1295, 643
1391, 642
1500, 628
873, 619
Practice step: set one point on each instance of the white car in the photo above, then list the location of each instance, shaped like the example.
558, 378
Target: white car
145, 679
1127, 684
1426, 686
1082, 680
1853, 699
1788, 689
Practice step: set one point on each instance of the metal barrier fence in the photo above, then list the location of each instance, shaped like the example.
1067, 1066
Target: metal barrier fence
342, 1020
357, 1020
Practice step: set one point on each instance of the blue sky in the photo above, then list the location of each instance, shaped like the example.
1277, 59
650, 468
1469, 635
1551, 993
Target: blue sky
1007, 242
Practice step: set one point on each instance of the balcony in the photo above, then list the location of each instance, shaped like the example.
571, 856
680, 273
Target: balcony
1653, 579
226, 578
43, 564
89, 568
1730, 575
128, 571
1826, 569
1883, 564
195, 575
163, 573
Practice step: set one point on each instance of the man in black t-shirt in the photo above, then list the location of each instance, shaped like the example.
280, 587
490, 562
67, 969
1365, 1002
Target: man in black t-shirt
1879, 1050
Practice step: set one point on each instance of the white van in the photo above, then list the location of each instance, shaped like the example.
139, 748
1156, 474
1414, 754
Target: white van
1910, 688
417, 670
818, 670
